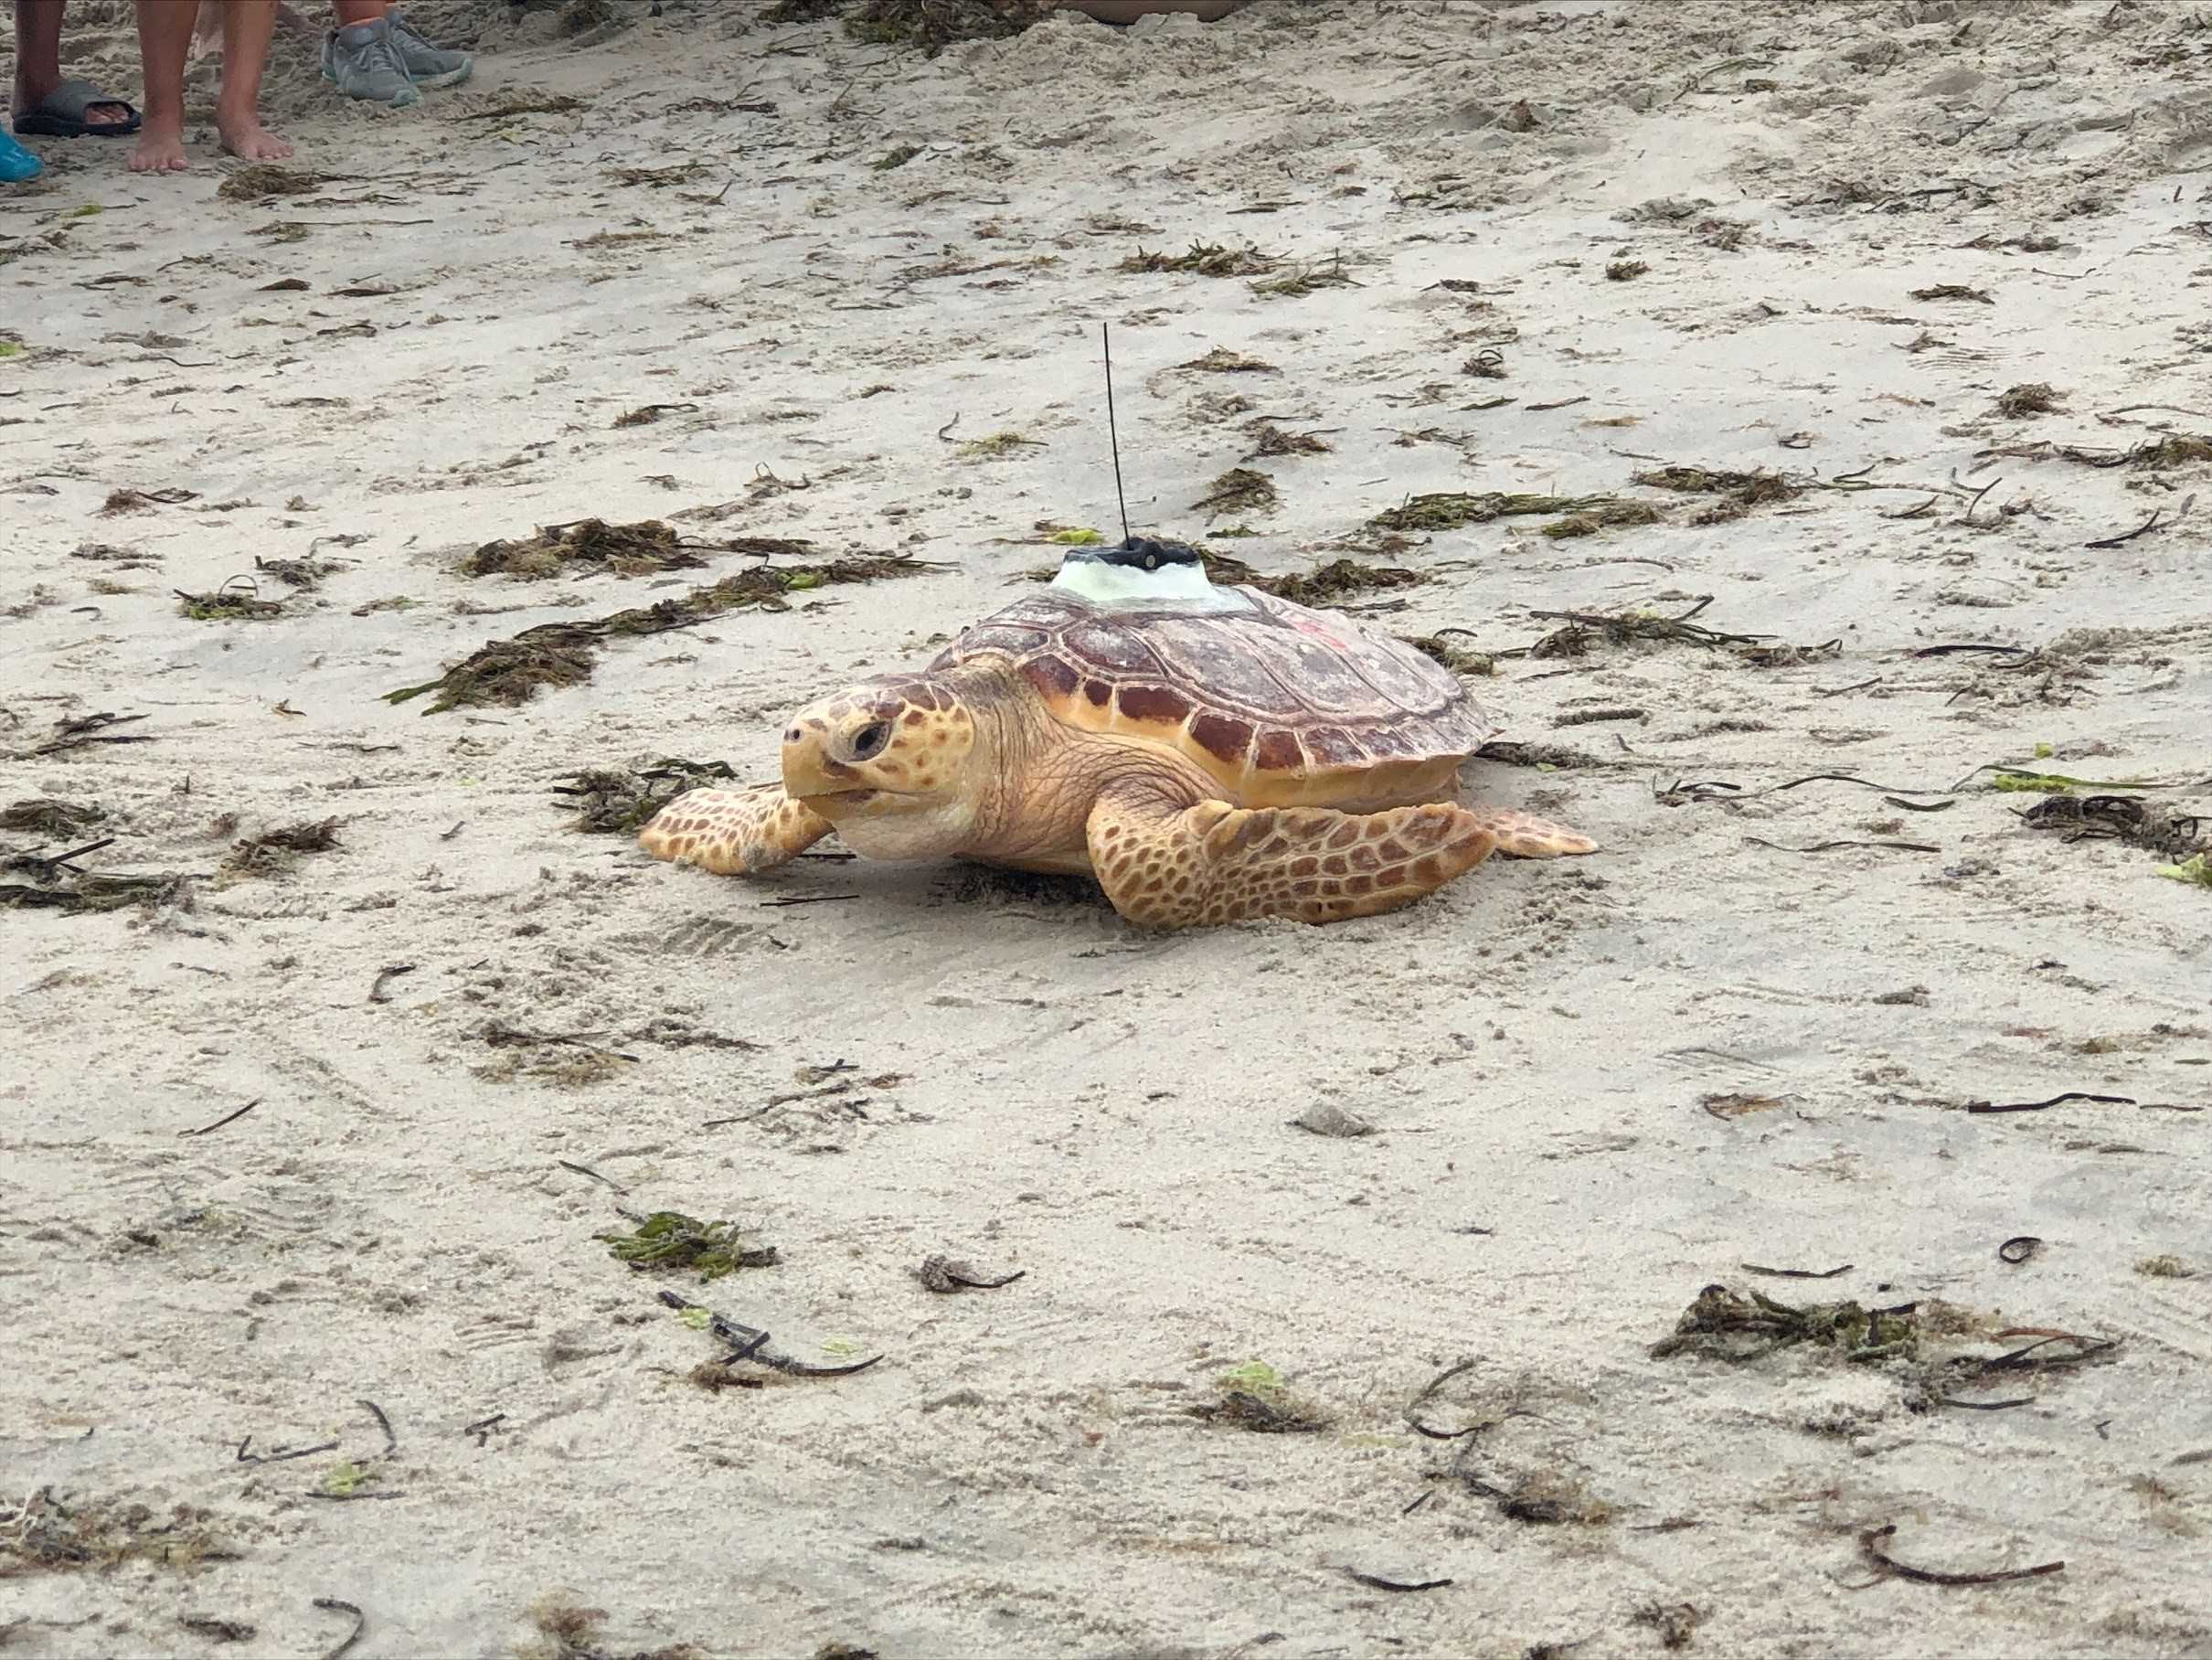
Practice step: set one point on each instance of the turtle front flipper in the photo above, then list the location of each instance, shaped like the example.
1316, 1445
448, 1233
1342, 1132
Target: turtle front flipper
733, 832
1166, 864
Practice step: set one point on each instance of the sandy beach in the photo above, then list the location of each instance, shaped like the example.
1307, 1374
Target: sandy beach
1796, 420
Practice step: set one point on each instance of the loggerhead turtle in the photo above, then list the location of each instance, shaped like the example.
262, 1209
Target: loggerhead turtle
1208, 753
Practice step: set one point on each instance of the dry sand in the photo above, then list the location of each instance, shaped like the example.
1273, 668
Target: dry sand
1599, 1085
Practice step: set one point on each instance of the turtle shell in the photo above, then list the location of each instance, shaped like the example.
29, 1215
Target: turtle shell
1282, 705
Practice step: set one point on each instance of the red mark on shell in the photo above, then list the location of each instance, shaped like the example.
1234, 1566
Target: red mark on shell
1312, 626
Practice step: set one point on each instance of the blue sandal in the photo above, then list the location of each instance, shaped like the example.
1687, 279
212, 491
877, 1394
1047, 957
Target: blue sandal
16, 164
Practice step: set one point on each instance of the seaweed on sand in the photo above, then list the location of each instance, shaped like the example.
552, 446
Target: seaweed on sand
1254, 1397
1239, 490
1305, 280
1222, 361
1547, 1498
263, 181
627, 550
96, 891
2174, 449
1459, 659
511, 671
306, 575
1579, 629
670, 1240
1730, 1325
236, 599
1739, 493
1608, 516
618, 801
997, 446
2029, 397
43, 815
42, 1533
2154, 827
1451, 509
275, 850
933, 24
1268, 439
572, 1631
645, 547
1922, 1338
56, 882
1204, 259
1339, 580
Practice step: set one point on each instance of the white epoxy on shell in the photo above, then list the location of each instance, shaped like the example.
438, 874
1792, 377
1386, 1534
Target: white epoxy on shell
1185, 587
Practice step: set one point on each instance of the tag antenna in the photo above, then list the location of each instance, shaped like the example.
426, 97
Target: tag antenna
1112, 436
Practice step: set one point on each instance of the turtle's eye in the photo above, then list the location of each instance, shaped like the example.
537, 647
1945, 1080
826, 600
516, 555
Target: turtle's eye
867, 744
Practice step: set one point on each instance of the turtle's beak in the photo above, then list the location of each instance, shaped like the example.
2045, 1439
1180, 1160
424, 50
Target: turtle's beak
809, 773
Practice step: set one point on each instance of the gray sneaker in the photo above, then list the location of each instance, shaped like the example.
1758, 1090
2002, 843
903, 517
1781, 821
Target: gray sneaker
365, 61
430, 66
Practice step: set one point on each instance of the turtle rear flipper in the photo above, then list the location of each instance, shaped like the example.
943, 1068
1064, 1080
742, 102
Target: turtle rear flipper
1164, 865
1523, 836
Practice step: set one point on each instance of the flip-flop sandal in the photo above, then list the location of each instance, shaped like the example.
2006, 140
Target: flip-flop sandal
61, 114
16, 164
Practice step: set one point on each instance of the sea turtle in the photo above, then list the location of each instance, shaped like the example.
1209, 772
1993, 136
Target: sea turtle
1208, 753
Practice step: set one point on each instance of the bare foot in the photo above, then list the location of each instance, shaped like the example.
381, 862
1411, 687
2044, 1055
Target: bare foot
247, 139
159, 150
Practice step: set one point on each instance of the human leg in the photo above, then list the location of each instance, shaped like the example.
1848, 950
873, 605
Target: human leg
247, 26
165, 38
76, 106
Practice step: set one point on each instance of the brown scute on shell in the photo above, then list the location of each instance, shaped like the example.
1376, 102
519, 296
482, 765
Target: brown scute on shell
1051, 676
1281, 690
1221, 736
1389, 741
1154, 705
1333, 747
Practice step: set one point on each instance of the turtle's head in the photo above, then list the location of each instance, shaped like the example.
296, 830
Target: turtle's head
888, 763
